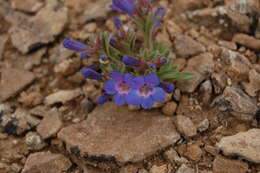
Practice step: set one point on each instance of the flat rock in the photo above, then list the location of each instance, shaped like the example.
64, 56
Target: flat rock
240, 104
109, 127
224, 165
29, 6
40, 29
200, 70
12, 81
186, 46
243, 144
46, 162
50, 125
62, 96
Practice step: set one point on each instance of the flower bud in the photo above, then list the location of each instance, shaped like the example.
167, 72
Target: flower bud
91, 74
130, 61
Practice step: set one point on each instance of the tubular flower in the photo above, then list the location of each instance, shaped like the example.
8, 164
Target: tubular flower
130, 61
91, 74
158, 17
167, 87
119, 27
119, 86
146, 91
124, 6
103, 98
74, 45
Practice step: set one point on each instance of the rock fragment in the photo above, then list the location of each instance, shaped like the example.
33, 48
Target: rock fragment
254, 83
12, 81
110, 127
160, 169
29, 6
239, 104
186, 46
247, 41
185, 126
170, 108
243, 144
185, 169
200, 70
40, 29
46, 162
172, 156
50, 125
62, 96
34, 141
193, 152
224, 165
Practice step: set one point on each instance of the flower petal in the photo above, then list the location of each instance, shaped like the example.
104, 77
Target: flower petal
103, 98
119, 99
130, 61
158, 95
132, 98
116, 76
74, 45
91, 74
137, 82
109, 87
128, 78
147, 102
152, 80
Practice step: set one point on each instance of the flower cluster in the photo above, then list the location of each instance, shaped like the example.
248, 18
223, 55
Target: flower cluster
134, 67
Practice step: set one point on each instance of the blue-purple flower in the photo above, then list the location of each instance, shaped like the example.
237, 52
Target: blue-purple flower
119, 27
74, 45
146, 91
158, 17
124, 6
119, 86
130, 61
103, 98
167, 87
90, 73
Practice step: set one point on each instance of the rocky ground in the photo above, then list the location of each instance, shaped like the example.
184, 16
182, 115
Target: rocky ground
49, 122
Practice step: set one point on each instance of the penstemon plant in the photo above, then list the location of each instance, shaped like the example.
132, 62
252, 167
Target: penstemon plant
134, 67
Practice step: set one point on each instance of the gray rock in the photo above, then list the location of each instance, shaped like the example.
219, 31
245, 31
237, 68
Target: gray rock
206, 91
243, 144
110, 127
40, 29
18, 122
185, 126
185, 169
46, 162
186, 46
12, 81
172, 156
200, 70
34, 141
203, 125
238, 65
239, 104
50, 125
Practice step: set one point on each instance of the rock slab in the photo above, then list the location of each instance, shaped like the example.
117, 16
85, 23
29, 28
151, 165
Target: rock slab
113, 133
46, 162
243, 144
224, 165
12, 81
